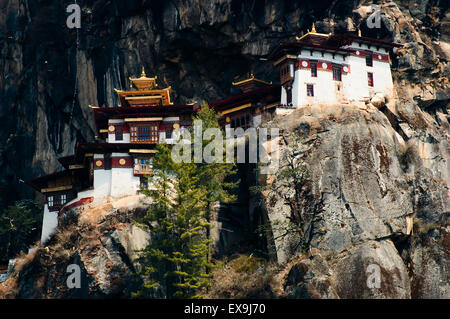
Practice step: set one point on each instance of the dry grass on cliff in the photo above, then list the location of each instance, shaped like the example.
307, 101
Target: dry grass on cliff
93, 216
24, 259
8, 289
243, 277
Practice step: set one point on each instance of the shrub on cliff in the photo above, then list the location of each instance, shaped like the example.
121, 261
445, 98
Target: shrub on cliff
19, 228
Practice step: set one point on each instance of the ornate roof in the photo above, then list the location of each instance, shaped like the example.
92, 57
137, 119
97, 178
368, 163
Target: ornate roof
251, 83
143, 92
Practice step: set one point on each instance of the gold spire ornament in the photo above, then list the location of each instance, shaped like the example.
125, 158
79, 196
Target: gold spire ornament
143, 73
313, 31
359, 32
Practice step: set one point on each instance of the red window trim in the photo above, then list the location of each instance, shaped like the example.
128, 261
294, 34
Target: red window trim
370, 81
310, 88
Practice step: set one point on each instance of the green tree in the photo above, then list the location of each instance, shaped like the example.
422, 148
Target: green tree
176, 263
20, 226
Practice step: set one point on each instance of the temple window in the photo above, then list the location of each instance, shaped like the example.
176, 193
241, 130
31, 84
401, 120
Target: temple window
119, 133
369, 59
313, 69
147, 133
370, 78
288, 95
143, 182
143, 165
50, 201
310, 90
337, 73
108, 162
63, 199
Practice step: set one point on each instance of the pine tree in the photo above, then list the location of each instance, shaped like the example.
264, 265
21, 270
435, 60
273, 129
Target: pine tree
19, 228
176, 263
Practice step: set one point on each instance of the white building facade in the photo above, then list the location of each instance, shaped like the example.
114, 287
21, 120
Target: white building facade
322, 68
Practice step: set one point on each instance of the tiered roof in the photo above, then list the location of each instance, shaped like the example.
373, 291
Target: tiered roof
145, 93
325, 42
251, 83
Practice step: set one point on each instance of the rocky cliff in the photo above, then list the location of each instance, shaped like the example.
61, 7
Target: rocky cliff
103, 241
377, 186
370, 196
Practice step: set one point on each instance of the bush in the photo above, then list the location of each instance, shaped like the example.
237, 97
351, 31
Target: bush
20, 226
243, 277
407, 155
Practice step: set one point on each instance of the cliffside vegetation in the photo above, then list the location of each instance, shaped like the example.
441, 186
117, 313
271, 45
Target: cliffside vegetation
20, 226
177, 262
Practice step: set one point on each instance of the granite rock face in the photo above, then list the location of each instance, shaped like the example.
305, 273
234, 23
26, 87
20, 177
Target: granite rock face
103, 241
369, 197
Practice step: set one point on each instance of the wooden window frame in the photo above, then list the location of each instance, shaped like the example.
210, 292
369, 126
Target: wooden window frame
147, 133
370, 81
118, 133
50, 201
288, 95
339, 73
141, 167
369, 58
313, 69
310, 90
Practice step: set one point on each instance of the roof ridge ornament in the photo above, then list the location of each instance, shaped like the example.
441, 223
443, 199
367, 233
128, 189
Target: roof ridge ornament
143, 73
359, 32
313, 31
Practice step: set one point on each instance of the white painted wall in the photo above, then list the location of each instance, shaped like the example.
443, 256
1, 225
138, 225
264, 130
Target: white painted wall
123, 182
102, 182
283, 95
383, 78
357, 87
125, 138
116, 182
354, 85
112, 137
49, 224
120, 155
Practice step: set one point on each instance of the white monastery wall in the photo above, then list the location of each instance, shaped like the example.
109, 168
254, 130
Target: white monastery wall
353, 86
102, 182
49, 224
123, 182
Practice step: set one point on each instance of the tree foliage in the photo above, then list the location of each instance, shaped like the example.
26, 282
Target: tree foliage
176, 263
19, 228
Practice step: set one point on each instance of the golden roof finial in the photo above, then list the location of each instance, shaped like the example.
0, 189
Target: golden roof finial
313, 30
143, 72
359, 32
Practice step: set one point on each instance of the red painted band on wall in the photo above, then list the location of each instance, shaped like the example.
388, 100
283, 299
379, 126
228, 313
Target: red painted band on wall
119, 127
99, 163
375, 56
122, 162
322, 65
83, 201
